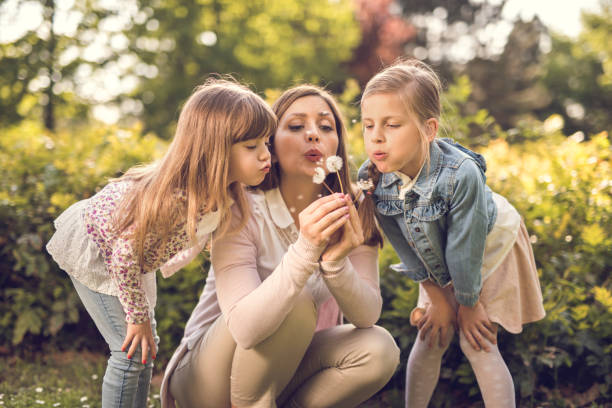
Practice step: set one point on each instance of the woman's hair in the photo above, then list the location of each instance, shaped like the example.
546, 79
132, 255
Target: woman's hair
371, 233
218, 114
419, 88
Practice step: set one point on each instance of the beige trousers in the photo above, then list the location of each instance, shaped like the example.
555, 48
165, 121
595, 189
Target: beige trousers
295, 367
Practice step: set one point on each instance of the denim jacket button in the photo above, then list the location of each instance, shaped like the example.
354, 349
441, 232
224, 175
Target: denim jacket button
417, 229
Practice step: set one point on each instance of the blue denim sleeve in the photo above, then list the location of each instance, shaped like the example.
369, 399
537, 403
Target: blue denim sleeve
467, 231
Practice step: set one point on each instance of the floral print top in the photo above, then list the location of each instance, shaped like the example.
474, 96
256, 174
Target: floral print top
119, 253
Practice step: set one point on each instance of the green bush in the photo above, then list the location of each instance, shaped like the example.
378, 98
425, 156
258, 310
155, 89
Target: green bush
42, 174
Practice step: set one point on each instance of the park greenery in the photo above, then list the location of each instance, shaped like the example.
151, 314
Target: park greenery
540, 117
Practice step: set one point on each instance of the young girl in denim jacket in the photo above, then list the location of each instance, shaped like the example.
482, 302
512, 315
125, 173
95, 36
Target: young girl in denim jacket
466, 246
160, 216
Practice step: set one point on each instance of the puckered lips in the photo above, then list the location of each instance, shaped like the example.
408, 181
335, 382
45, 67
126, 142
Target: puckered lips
379, 155
266, 168
314, 155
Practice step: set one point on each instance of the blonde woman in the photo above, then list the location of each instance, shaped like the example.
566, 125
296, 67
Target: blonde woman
159, 216
267, 330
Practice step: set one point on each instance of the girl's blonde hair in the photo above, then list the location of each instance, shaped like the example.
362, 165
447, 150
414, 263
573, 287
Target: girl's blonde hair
371, 233
419, 88
218, 114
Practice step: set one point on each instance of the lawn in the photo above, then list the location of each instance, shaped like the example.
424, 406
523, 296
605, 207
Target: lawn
63, 379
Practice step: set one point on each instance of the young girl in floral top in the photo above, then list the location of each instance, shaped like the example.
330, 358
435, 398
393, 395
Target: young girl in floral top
160, 216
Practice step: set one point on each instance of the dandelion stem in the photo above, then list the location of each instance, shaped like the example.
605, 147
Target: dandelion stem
341, 189
327, 187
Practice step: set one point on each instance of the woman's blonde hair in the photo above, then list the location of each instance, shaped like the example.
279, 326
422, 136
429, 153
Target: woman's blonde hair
218, 114
281, 105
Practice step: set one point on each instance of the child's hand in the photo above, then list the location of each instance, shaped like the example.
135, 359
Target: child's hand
351, 236
475, 325
140, 335
437, 321
322, 218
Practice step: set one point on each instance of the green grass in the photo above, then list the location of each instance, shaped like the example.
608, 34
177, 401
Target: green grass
66, 379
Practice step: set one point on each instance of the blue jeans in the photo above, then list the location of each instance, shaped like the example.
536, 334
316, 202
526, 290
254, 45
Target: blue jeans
126, 381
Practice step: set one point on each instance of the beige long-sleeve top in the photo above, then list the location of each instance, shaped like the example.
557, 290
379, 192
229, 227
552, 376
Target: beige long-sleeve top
258, 273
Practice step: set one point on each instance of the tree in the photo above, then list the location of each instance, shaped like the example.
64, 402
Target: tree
39, 66
509, 86
384, 34
270, 43
578, 74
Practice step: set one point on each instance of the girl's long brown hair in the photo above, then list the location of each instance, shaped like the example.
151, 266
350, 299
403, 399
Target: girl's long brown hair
419, 89
218, 114
371, 233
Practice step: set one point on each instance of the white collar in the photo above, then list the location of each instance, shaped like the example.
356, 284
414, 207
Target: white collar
278, 209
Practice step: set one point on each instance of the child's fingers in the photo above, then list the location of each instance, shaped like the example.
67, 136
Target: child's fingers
480, 339
133, 347
487, 334
492, 329
144, 346
127, 341
443, 334
153, 347
471, 340
433, 337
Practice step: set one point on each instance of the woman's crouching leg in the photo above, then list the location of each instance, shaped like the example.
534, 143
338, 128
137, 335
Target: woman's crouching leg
343, 367
259, 374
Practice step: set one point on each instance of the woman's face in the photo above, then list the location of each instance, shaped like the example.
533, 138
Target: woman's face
306, 134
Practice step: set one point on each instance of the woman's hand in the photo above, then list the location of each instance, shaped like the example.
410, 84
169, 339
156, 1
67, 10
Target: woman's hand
323, 217
140, 334
438, 317
351, 236
476, 326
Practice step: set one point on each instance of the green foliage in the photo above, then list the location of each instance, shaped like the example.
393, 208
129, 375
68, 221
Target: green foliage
43, 173
271, 43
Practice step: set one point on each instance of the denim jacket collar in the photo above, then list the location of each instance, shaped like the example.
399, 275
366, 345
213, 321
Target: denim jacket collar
427, 179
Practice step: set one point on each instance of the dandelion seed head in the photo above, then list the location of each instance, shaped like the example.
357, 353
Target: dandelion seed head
39, 389
40, 402
319, 175
333, 163
319, 195
94, 377
83, 399
57, 404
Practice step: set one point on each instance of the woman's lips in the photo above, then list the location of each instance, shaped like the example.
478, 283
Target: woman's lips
313, 155
266, 169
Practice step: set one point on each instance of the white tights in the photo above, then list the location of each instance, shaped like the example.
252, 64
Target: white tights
423, 371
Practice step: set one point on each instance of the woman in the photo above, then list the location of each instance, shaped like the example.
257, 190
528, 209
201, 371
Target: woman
265, 330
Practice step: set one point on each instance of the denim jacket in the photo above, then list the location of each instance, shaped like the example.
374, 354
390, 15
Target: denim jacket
440, 227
